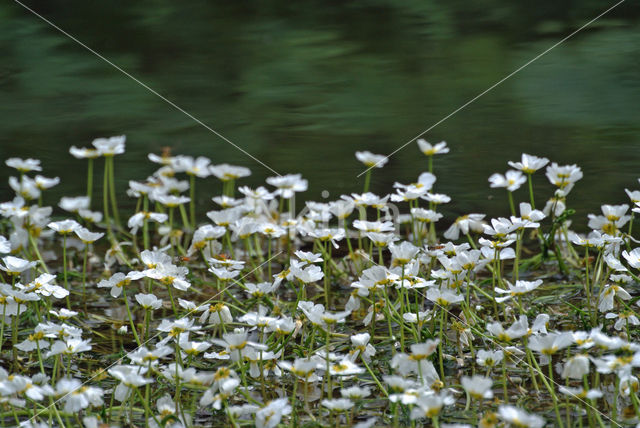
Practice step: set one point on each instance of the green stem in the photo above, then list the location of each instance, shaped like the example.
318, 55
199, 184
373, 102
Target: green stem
84, 272
90, 180
171, 242
105, 196
443, 317
549, 384
173, 303
504, 379
511, 205
367, 180
147, 315
133, 327
64, 268
145, 222
326, 278
375, 379
530, 180
269, 243
147, 410
346, 237
34, 244
185, 220
2, 323
112, 191
192, 196
328, 374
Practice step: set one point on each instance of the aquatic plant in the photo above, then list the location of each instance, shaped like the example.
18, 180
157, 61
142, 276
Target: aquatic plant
352, 312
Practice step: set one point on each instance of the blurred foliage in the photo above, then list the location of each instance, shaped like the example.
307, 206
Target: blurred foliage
302, 85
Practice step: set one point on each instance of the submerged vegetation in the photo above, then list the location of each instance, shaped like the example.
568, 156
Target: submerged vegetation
355, 312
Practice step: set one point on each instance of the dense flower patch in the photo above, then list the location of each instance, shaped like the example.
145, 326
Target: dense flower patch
354, 312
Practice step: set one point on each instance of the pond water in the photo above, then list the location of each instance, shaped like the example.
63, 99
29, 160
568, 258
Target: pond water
303, 85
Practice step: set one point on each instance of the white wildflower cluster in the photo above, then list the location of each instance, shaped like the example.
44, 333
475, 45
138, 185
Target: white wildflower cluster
352, 312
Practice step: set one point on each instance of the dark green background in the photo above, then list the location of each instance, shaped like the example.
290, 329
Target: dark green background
302, 85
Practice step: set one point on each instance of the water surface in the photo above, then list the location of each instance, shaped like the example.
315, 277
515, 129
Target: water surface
303, 85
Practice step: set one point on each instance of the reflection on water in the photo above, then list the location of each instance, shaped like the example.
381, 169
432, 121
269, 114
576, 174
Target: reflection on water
301, 86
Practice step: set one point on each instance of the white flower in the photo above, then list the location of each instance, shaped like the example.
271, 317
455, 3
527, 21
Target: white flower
368, 200
549, 344
42, 285
517, 329
24, 165
308, 274
371, 160
130, 376
26, 187
576, 367
345, 367
520, 288
72, 345
74, 204
84, 152
609, 292
137, 220
148, 301
86, 236
338, 404
227, 216
430, 150
355, 392
464, 225
236, 343
288, 185
170, 201
403, 253
614, 263
563, 177
624, 319
15, 266
169, 274
519, 417
436, 198
270, 415
362, 347
444, 297
486, 358
44, 183
191, 347
198, 167
226, 172
110, 146
5, 245
511, 181
632, 257
319, 316
581, 393
64, 227
425, 216
63, 313
90, 216
118, 281
527, 213
373, 226
342, 208
381, 239
478, 387
77, 396
430, 404
500, 229
270, 230
529, 164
